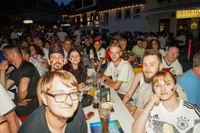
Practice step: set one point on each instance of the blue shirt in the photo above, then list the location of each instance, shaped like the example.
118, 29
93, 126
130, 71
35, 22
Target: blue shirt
190, 82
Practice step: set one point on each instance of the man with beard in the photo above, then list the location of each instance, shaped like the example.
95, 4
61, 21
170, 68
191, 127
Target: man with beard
152, 63
56, 57
56, 62
25, 76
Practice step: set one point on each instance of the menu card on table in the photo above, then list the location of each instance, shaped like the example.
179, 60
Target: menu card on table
114, 127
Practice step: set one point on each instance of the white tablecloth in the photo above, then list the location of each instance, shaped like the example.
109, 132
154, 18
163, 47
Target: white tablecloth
120, 113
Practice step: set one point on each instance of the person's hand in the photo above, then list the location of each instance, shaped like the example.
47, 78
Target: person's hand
24, 102
153, 100
4, 65
99, 75
81, 85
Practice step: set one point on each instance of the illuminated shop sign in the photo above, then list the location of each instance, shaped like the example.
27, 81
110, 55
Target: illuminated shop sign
194, 13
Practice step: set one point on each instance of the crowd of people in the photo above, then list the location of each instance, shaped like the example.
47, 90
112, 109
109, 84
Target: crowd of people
41, 73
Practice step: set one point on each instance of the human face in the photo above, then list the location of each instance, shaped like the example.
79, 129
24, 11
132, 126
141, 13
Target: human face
56, 61
9, 56
32, 49
63, 109
87, 42
67, 45
97, 45
123, 45
165, 89
154, 45
151, 65
139, 44
172, 54
115, 53
74, 58
144, 44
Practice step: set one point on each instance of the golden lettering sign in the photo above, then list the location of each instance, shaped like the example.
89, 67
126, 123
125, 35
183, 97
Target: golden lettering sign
194, 13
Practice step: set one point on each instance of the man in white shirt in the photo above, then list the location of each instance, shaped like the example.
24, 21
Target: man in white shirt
170, 61
77, 34
119, 70
61, 35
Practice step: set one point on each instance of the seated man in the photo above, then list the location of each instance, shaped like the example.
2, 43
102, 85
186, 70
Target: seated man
165, 112
119, 70
190, 81
170, 61
25, 76
138, 49
152, 63
61, 112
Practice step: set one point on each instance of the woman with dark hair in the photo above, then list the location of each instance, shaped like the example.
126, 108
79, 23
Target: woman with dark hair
35, 49
97, 55
38, 54
76, 67
155, 44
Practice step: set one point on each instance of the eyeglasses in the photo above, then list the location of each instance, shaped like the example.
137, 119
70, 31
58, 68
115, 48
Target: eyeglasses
61, 97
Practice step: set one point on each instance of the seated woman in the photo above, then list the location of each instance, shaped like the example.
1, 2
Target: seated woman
97, 56
155, 44
76, 67
165, 112
38, 54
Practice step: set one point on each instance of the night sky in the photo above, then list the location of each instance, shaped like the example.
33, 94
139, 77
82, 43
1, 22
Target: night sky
65, 1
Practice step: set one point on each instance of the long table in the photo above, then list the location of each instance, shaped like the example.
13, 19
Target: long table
120, 113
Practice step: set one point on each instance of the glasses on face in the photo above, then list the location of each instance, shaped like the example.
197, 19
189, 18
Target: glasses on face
61, 97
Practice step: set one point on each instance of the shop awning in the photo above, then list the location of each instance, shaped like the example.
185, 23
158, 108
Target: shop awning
171, 8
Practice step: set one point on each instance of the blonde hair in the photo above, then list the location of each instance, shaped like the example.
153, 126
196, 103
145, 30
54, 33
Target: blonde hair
163, 75
66, 78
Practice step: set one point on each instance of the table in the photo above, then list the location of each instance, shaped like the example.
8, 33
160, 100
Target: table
120, 113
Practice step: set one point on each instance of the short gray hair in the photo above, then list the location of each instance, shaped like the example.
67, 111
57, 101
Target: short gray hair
196, 59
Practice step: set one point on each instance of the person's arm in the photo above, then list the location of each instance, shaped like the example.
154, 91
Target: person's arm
23, 88
13, 121
3, 68
113, 84
93, 63
133, 87
4, 128
140, 122
100, 64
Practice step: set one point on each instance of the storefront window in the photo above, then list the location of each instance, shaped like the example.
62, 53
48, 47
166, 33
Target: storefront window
118, 14
164, 25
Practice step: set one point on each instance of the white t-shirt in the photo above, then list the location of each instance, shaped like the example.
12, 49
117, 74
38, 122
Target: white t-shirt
77, 33
185, 119
101, 53
163, 42
162, 52
6, 104
123, 72
175, 67
145, 90
181, 38
61, 35
14, 35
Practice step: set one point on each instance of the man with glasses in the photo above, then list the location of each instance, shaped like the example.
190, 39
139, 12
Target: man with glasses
61, 112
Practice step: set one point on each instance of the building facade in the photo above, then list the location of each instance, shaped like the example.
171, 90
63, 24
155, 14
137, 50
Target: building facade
132, 15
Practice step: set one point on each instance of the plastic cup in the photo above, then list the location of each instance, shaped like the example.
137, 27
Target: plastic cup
104, 113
